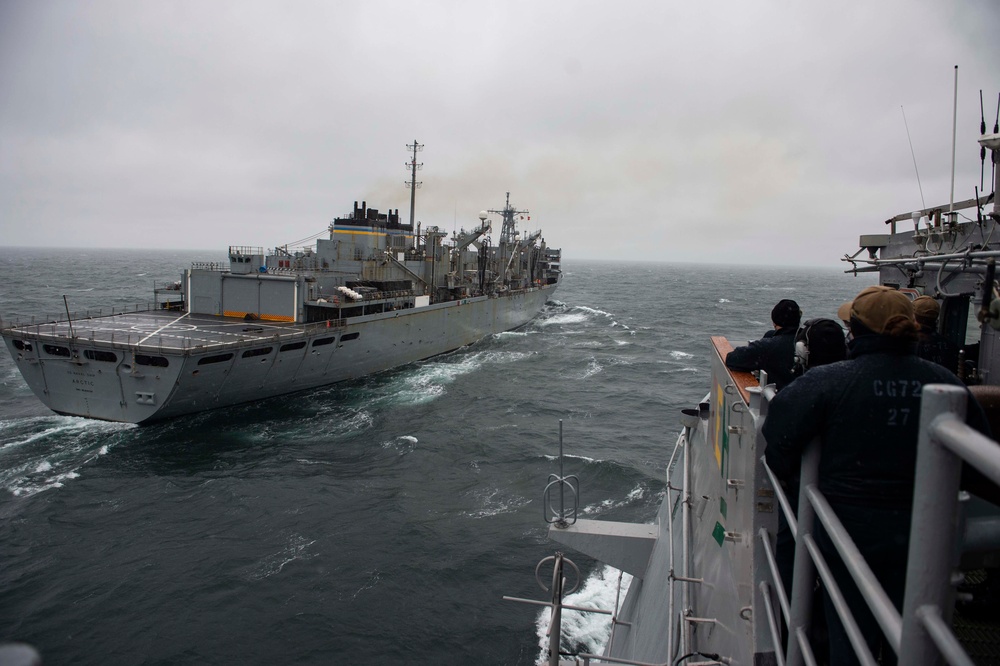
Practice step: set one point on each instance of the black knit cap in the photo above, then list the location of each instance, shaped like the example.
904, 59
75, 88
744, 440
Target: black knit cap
786, 313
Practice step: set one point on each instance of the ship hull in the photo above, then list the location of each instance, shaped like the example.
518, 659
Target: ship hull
172, 364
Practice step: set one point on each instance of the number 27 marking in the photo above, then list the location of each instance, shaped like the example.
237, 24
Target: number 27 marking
898, 417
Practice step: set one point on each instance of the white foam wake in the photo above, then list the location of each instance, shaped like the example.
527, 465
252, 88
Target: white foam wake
38, 454
585, 632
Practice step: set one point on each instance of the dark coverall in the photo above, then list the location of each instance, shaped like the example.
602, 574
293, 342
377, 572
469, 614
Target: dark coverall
774, 354
866, 411
935, 347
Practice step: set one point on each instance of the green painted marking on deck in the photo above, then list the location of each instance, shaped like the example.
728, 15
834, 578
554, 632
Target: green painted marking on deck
719, 533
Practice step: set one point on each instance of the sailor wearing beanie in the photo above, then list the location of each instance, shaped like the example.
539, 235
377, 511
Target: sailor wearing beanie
775, 352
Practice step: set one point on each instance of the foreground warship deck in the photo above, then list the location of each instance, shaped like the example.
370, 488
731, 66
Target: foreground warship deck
706, 588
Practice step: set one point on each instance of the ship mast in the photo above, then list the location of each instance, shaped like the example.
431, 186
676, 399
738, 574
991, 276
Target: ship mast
508, 213
505, 251
412, 183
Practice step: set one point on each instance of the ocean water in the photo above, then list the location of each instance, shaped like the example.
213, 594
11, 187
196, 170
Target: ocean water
369, 522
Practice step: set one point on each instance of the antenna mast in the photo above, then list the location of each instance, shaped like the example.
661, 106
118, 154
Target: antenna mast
954, 130
412, 183
914, 155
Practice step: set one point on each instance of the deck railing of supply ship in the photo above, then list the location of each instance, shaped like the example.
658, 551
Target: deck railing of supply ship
55, 329
20, 321
921, 635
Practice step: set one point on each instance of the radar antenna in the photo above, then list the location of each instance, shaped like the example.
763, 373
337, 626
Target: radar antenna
412, 183
982, 149
508, 213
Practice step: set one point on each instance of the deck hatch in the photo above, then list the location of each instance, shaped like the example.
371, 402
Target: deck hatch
292, 346
349, 336
100, 355
323, 341
262, 351
155, 361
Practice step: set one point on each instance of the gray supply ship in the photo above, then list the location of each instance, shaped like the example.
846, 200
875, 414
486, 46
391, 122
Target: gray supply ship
374, 295
705, 587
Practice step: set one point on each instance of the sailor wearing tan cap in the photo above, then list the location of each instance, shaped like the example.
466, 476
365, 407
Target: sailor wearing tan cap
866, 411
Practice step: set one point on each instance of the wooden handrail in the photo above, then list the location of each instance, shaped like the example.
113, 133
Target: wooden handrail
741, 379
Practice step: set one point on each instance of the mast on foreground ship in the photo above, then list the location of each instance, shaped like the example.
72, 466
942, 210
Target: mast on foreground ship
372, 296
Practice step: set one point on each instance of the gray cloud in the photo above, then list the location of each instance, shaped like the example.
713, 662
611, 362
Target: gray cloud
762, 132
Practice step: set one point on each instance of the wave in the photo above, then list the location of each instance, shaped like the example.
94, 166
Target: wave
680, 354
578, 314
635, 495
570, 455
592, 368
495, 501
272, 564
402, 445
511, 334
562, 319
42, 453
430, 379
360, 419
593, 310
585, 632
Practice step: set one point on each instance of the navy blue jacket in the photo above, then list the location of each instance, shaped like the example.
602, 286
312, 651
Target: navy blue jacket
935, 347
774, 354
867, 412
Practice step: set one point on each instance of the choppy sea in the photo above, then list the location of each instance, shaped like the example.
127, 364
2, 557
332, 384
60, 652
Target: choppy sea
376, 521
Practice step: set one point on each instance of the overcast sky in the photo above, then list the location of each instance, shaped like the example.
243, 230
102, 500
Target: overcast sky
750, 132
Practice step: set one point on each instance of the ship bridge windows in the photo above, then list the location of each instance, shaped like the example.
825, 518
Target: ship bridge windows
57, 350
292, 346
155, 361
218, 358
262, 351
100, 355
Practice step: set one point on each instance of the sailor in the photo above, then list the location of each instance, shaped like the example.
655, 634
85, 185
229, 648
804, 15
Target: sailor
931, 344
775, 352
819, 342
866, 412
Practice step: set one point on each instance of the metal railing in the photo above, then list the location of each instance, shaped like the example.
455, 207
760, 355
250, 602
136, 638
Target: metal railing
11, 321
921, 635
689, 420
52, 332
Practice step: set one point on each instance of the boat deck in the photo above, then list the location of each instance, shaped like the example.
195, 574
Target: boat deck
164, 330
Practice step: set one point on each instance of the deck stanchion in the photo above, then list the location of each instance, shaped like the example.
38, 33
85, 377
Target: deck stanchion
804, 574
932, 552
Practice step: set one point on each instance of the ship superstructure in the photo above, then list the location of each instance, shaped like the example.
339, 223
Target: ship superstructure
706, 587
375, 294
